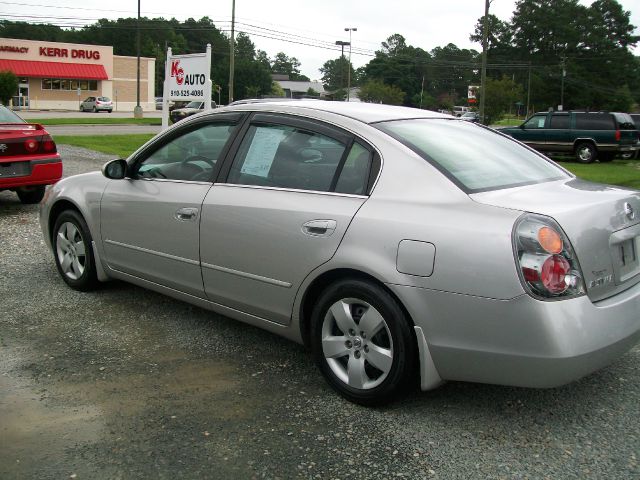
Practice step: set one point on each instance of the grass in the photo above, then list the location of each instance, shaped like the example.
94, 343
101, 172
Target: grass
509, 122
97, 121
120, 145
625, 173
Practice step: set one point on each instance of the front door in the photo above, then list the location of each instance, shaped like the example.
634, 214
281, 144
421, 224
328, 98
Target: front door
151, 220
290, 195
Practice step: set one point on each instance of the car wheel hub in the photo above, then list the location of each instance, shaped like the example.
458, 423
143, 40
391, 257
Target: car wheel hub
357, 343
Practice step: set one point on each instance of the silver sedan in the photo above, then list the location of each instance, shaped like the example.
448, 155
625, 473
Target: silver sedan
401, 246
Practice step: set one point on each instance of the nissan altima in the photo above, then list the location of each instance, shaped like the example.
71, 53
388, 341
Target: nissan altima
402, 246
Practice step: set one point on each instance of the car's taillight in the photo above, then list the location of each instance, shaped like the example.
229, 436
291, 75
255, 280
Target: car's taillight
31, 145
618, 135
48, 145
547, 264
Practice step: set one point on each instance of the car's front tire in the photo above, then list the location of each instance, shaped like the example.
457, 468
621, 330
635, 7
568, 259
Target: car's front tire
72, 249
29, 195
363, 342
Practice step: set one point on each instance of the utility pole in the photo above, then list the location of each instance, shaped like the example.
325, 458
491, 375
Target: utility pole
421, 91
232, 50
483, 74
564, 74
137, 112
528, 91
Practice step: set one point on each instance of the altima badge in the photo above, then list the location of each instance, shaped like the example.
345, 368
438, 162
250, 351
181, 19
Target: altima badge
629, 212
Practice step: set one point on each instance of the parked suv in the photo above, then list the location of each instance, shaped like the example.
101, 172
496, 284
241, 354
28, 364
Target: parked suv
587, 135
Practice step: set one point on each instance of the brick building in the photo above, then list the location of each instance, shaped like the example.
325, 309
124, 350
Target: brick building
60, 75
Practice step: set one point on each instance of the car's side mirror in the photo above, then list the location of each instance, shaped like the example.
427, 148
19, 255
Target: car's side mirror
115, 169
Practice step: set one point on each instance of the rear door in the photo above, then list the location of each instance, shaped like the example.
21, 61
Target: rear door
281, 211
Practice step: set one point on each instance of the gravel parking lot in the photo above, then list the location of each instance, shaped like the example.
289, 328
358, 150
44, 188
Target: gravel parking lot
125, 383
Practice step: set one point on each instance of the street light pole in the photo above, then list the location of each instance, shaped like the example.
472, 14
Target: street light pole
137, 112
349, 29
342, 44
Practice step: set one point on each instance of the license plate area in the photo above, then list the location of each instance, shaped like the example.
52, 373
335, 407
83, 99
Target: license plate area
14, 169
625, 252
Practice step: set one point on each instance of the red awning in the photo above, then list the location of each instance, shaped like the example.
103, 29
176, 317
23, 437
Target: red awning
29, 68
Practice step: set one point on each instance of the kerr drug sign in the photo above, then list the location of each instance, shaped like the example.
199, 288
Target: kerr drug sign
187, 78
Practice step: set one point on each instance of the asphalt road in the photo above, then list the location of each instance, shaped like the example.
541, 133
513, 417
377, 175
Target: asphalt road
123, 383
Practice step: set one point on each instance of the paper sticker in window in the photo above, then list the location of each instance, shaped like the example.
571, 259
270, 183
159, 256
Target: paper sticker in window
263, 149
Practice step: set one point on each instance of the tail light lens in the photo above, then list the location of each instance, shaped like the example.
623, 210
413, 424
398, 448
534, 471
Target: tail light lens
31, 145
618, 135
48, 145
547, 265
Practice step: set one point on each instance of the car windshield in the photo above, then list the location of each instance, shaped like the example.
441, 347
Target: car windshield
473, 157
469, 114
7, 116
193, 104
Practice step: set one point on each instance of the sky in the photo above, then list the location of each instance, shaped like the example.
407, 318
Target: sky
305, 30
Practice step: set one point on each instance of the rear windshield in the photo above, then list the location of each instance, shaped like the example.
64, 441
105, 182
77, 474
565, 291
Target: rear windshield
474, 157
194, 104
7, 116
104, 99
625, 122
636, 119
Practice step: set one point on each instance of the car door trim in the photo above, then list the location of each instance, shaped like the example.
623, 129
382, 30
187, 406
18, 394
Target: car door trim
153, 252
252, 276
294, 190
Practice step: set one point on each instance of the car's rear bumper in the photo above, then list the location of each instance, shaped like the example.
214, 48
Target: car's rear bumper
523, 341
44, 171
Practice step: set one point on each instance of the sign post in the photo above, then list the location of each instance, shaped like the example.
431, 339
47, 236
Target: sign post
186, 78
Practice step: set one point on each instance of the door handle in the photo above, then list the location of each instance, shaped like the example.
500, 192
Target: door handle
319, 228
186, 214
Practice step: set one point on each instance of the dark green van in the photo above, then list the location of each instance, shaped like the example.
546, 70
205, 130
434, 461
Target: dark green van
587, 135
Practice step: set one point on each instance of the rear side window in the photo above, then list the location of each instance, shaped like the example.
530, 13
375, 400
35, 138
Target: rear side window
474, 158
285, 156
594, 121
355, 172
559, 121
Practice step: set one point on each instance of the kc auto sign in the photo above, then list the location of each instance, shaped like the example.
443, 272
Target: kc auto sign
187, 78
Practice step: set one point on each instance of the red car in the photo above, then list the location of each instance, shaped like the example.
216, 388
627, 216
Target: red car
28, 157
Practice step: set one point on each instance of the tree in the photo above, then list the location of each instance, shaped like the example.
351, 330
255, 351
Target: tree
8, 86
335, 73
287, 66
375, 91
501, 95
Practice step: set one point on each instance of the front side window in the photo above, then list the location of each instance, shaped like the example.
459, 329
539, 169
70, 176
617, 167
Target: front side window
190, 157
537, 121
286, 157
475, 158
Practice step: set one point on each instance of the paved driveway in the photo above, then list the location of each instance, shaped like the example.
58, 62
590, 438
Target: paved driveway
125, 383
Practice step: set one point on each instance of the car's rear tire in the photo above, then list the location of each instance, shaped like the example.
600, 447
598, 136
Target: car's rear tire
72, 249
28, 195
362, 342
586, 152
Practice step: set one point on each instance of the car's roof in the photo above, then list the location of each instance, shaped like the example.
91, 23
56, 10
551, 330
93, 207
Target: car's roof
364, 112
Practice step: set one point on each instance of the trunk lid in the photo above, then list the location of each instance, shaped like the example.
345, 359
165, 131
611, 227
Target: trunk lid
601, 221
